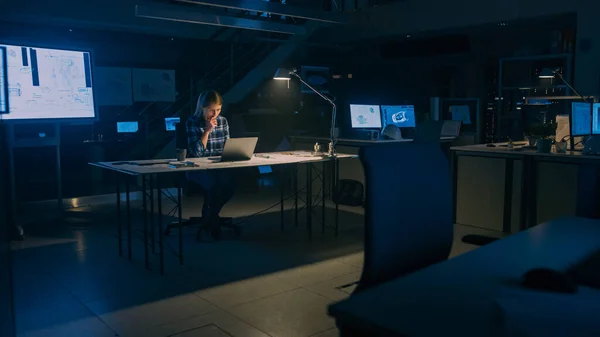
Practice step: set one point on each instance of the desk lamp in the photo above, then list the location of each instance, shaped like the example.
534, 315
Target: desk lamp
286, 75
592, 144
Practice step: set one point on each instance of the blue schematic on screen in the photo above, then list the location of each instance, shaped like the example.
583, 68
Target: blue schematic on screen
581, 119
170, 123
49, 84
3, 82
127, 127
402, 116
365, 116
596, 118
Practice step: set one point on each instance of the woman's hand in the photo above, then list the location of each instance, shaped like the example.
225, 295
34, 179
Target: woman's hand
210, 125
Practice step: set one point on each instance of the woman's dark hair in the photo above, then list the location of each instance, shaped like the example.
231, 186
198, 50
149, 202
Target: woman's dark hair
208, 98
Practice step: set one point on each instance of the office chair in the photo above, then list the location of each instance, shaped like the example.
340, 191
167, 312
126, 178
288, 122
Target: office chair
225, 222
408, 211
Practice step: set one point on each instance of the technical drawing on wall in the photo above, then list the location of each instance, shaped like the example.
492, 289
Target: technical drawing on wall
49, 83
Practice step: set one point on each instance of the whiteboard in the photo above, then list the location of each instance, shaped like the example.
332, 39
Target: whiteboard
153, 85
113, 86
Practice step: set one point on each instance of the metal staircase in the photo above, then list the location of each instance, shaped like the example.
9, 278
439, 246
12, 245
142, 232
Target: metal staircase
221, 77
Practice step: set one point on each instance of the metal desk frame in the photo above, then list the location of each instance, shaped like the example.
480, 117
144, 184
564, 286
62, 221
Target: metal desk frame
152, 182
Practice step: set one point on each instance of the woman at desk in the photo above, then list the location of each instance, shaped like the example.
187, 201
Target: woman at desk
207, 132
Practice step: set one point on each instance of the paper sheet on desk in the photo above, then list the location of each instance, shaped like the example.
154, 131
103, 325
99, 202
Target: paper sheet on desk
541, 314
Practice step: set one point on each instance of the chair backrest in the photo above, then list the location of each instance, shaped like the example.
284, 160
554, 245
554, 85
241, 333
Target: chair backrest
181, 141
408, 210
428, 131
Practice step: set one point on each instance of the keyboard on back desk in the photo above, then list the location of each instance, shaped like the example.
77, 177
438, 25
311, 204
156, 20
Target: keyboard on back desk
587, 271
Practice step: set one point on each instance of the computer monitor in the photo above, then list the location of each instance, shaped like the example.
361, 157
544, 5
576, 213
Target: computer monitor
3, 82
49, 84
365, 116
402, 116
170, 123
127, 127
596, 119
581, 123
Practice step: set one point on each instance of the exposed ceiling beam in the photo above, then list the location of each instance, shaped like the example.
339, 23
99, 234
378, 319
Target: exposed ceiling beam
173, 13
275, 8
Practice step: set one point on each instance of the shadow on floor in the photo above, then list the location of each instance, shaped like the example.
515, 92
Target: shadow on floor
69, 271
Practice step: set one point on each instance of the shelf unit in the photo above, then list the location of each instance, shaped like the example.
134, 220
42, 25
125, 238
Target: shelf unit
517, 79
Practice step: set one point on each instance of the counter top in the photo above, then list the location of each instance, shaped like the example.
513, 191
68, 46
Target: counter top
360, 141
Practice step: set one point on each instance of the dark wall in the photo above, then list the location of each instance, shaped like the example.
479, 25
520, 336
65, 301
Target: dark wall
7, 323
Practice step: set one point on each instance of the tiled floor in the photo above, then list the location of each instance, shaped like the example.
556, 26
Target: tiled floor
70, 282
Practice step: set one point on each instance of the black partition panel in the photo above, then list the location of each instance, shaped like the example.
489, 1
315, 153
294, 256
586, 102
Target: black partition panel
7, 326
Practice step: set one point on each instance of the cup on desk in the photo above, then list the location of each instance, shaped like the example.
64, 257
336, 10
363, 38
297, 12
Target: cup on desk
181, 154
561, 147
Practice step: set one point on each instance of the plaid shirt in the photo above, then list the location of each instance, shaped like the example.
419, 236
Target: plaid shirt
216, 138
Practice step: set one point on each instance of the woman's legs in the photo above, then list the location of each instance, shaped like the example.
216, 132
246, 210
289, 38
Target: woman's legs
219, 188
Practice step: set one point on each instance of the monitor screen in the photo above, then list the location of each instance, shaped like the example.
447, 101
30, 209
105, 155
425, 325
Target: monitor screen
3, 82
596, 119
170, 123
127, 127
49, 84
581, 124
365, 116
402, 116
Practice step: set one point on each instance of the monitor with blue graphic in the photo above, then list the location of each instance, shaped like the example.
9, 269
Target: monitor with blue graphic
402, 116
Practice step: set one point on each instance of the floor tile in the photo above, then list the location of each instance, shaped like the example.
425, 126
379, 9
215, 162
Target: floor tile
205, 331
332, 288
329, 333
88, 327
239, 292
196, 326
296, 313
317, 272
131, 318
355, 259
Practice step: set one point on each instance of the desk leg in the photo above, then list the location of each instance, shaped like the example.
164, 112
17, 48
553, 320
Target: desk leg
323, 189
525, 193
454, 177
152, 237
296, 195
532, 194
145, 217
161, 251
179, 222
119, 217
281, 192
336, 164
309, 199
128, 215
508, 194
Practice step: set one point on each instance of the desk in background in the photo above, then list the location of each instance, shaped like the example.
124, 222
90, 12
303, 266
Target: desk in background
352, 169
463, 296
152, 172
509, 190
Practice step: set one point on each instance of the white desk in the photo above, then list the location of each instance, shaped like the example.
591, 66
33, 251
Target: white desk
360, 142
459, 297
154, 170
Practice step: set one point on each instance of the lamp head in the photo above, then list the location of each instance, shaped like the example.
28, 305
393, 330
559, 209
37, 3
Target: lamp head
547, 73
282, 74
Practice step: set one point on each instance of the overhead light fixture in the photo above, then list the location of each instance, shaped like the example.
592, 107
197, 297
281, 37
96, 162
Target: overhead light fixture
547, 73
283, 74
